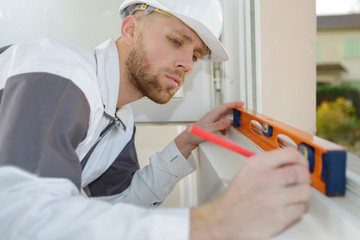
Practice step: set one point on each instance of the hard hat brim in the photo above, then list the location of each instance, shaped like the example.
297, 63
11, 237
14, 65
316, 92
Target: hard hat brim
218, 52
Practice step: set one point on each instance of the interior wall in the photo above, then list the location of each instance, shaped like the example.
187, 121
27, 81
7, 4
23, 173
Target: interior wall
84, 22
150, 139
288, 61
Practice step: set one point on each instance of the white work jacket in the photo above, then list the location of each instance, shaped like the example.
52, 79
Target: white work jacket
56, 100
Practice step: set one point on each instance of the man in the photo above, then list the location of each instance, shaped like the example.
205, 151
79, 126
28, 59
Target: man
65, 124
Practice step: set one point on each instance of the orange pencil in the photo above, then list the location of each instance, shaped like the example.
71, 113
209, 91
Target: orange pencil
219, 141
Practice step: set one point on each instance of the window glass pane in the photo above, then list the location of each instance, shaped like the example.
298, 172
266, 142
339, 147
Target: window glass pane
317, 49
338, 83
351, 48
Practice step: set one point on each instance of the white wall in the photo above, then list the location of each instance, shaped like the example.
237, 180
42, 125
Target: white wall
272, 66
153, 138
85, 22
288, 61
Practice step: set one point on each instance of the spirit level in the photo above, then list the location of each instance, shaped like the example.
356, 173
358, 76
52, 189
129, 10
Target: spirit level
327, 160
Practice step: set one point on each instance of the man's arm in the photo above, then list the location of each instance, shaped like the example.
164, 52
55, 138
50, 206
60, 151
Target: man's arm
154, 182
150, 185
33, 207
43, 118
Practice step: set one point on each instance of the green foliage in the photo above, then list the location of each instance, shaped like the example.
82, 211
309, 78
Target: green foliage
337, 121
331, 93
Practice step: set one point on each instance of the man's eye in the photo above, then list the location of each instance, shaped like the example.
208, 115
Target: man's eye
175, 42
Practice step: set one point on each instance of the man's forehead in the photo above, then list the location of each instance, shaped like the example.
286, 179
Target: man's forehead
178, 27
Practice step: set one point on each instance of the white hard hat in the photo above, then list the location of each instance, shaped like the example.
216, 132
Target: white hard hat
205, 17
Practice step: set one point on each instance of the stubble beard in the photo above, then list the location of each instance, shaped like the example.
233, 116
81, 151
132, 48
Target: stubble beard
143, 79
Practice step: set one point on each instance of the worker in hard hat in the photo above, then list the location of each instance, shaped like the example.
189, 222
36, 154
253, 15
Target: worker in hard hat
65, 125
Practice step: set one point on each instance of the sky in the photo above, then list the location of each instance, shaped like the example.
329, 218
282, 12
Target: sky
330, 7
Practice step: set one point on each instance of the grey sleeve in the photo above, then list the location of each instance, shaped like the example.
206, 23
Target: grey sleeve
43, 118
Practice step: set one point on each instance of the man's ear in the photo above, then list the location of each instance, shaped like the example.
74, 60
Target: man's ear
128, 29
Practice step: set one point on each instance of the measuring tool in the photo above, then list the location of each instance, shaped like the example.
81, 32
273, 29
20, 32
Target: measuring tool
327, 160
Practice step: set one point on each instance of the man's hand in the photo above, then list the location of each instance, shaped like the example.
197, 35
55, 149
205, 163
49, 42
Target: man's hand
214, 120
268, 195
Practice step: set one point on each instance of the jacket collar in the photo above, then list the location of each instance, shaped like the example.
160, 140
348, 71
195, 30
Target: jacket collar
108, 74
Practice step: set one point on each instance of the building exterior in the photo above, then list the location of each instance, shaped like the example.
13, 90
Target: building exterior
338, 49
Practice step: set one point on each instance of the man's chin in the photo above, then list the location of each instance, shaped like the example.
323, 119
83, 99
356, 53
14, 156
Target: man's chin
159, 100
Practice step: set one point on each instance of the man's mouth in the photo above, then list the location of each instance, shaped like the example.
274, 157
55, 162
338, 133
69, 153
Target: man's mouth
175, 81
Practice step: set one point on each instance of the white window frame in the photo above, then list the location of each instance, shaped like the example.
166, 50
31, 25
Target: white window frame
241, 37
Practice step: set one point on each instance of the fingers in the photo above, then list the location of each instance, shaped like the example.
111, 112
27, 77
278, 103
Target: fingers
293, 213
281, 157
261, 202
270, 193
222, 124
287, 171
215, 121
296, 194
212, 121
226, 109
290, 184
291, 175
223, 110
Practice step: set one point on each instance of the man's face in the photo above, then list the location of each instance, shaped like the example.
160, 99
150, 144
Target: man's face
162, 56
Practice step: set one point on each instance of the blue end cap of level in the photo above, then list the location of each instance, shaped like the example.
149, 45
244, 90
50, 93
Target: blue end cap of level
309, 154
267, 130
236, 120
334, 172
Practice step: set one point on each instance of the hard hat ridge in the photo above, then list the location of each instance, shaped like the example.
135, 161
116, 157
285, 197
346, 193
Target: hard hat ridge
202, 16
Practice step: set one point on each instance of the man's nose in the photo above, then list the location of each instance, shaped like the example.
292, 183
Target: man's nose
185, 62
